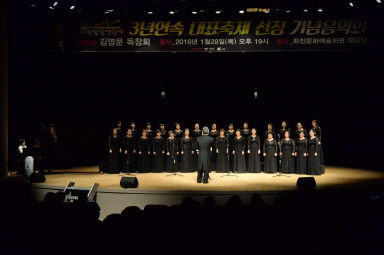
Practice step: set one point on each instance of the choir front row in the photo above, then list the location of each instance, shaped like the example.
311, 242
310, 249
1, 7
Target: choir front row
230, 152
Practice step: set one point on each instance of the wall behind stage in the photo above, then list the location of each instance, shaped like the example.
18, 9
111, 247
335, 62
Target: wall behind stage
84, 93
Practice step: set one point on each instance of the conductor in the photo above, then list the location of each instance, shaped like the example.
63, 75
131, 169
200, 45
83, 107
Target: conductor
204, 147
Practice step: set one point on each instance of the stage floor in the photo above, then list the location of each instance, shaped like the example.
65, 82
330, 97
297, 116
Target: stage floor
334, 177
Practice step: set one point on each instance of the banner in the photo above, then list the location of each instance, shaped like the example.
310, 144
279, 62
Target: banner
220, 35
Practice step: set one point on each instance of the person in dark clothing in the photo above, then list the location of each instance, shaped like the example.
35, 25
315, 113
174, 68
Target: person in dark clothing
287, 153
231, 138
129, 147
301, 154
214, 133
144, 150
281, 133
254, 150
318, 134
114, 145
204, 146
187, 153
222, 162
163, 131
239, 165
172, 149
270, 154
314, 165
270, 130
20, 158
158, 151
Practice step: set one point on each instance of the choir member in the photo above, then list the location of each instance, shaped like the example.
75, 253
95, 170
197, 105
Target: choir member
317, 130
135, 136
144, 150
269, 130
114, 145
221, 145
158, 151
213, 133
21, 155
254, 165
163, 131
246, 132
287, 153
187, 152
129, 147
196, 132
238, 152
301, 154
281, 133
314, 166
270, 154
172, 149
300, 129
231, 133
119, 128
149, 131
178, 135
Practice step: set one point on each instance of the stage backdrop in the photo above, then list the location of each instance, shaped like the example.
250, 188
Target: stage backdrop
214, 35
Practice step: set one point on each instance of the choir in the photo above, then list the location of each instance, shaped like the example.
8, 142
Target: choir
239, 150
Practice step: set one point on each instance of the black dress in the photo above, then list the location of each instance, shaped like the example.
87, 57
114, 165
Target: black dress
231, 139
301, 160
164, 134
187, 159
246, 133
114, 144
270, 160
144, 163
281, 133
297, 133
172, 147
178, 136
214, 135
158, 147
254, 165
287, 160
150, 135
239, 165
135, 137
222, 163
128, 156
314, 166
318, 135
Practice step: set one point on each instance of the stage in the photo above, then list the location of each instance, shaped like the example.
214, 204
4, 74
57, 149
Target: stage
156, 188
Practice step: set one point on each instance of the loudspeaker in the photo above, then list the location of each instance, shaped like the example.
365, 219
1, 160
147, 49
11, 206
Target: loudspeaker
306, 183
129, 182
37, 177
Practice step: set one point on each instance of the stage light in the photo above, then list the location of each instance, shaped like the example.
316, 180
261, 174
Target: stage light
109, 10
194, 12
51, 7
32, 5
55, 3
171, 12
305, 10
320, 10
378, 1
241, 11
72, 7
287, 11
351, 4
150, 13
218, 12
162, 93
255, 93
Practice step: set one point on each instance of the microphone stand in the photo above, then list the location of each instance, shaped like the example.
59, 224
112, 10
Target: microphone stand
229, 170
280, 161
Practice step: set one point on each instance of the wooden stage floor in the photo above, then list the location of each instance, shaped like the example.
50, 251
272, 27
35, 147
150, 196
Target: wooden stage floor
334, 177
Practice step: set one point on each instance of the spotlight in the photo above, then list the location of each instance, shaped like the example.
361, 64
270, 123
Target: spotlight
217, 12
287, 11
162, 93
171, 12
378, 1
194, 12
351, 4
320, 10
109, 10
255, 93
51, 7
305, 10
55, 3
72, 7
150, 13
241, 11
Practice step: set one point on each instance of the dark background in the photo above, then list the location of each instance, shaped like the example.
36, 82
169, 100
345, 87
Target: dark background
85, 93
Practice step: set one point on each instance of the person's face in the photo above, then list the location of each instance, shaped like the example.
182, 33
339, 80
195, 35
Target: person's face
230, 127
238, 133
129, 132
171, 135
269, 127
313, 124
269, 136
299, 126
119, 125
144, 134
177, 127
245, 125
253, 131
158, 134
222, 132
187, 132
286, 134
301, 135
214, 126
197, 126
161, 127
133, 125
311, 133
148, 127
283, 124
23, 143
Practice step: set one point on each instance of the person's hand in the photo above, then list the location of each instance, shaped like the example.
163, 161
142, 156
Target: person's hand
177, 153
275, 154
182, 152
233, 152
258, 152
120, 150
134, 151
167, 153
293, 154
264, 154
319, 143
249, 151
305, 154
139, 152
110, 151
154, 153
217, 150
242, 153
149, 153
197, 153
315, 154
125, 152
193, 152
162, 152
